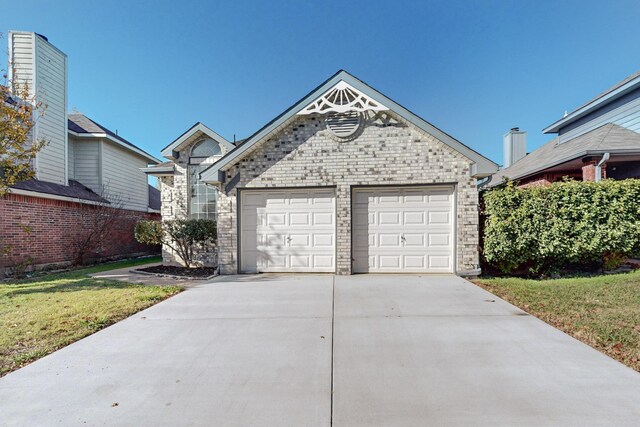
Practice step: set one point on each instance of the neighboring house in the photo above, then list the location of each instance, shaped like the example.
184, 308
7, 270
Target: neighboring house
345, 180
600, 139
83, 164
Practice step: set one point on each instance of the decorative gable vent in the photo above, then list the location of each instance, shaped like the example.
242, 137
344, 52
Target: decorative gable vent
343, 125
342, 98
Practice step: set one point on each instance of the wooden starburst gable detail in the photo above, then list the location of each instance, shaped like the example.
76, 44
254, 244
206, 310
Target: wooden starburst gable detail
342, 98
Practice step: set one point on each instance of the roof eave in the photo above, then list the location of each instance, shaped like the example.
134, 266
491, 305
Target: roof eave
483, 166
170, 150
595, 104
116, 141
566, 159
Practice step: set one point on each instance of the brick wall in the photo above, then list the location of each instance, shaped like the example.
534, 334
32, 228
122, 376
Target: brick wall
43, 231
386, 151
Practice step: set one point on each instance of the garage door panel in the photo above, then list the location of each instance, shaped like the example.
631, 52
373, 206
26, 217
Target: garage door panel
323, 218
287, 231
439, 261
439, 218
299, 218
300, 240
439, 239
323, 240
414, 218
405, 229
388, 218
414, 239
389, 240
414, 262
324, 261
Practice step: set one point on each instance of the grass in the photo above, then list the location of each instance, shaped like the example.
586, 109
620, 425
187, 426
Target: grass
43, 314
602, 311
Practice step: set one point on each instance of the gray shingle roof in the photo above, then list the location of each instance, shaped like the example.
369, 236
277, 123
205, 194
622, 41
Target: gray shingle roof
74, 190
79, 123
154, 198
607, 138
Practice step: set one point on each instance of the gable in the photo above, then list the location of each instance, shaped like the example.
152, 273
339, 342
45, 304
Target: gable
340, 94
192, 135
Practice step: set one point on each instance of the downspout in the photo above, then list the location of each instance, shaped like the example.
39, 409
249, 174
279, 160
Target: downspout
604, 160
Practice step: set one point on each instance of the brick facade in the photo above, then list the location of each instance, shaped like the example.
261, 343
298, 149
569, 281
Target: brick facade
38, 232
386, 151
174, 196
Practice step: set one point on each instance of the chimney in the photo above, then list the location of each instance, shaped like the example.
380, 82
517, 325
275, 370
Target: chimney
515, 146
38, 63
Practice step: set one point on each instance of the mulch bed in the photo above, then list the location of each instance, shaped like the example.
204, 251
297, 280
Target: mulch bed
197, 272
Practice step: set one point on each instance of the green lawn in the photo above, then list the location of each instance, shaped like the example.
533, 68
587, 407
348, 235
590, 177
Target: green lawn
43, 314
602, 311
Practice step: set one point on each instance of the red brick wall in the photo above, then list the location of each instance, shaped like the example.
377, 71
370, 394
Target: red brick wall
549, 178
43, 231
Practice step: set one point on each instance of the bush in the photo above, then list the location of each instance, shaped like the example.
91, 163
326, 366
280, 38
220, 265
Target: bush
184, 236
546, 229
149, 232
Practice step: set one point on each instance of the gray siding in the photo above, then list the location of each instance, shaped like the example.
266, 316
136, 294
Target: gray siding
44, 68
122, 178
87, 163
22, 55
71, 164
624, 112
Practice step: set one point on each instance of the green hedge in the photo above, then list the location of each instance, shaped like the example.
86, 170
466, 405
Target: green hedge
546, 229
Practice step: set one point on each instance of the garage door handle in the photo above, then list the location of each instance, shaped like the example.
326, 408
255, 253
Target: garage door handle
288, 239
403, 239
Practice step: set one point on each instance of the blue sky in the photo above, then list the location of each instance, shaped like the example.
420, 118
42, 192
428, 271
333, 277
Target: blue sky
151, 69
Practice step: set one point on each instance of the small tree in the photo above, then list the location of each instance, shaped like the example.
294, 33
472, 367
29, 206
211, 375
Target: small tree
96, 222
18, 146
184, 236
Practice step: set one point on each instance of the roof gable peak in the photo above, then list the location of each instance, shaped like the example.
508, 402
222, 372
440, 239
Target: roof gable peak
342, 98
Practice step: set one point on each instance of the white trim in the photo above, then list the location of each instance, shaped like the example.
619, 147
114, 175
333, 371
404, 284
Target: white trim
116, 141
596, 103
158, 171
350, 100
198, 127
35, 98
66, 120
213, 174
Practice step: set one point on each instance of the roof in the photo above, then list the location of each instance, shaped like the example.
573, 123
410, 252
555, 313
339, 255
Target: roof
609, 138
80, 124
616, 91
189, 135
74, 190
154, 198
482, 165
164, 168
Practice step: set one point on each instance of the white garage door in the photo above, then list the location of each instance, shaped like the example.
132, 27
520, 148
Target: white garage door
288, 231
407, 229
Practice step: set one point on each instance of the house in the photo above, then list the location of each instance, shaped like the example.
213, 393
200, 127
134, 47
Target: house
600, 139
345, 180
83, 164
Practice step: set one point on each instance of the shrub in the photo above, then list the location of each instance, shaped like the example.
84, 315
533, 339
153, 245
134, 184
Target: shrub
184, 236
546, 229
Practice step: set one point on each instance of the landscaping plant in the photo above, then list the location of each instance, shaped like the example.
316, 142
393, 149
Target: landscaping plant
545, 229
186, 237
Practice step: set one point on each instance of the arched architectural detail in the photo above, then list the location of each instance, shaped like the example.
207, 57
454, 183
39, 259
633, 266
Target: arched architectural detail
342, 98
206, 148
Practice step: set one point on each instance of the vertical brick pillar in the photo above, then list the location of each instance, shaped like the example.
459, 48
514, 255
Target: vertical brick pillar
589, 170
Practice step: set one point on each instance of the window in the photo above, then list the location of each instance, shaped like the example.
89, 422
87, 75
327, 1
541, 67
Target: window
202, 197
206, 148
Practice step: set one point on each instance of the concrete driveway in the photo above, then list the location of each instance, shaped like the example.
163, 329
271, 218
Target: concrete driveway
313, 350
